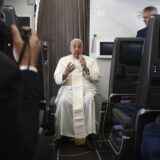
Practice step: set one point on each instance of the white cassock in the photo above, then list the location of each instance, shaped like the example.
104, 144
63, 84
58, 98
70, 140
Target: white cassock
75, 112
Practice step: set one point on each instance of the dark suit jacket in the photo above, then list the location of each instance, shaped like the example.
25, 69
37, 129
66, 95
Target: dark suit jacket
18, 111
142, 33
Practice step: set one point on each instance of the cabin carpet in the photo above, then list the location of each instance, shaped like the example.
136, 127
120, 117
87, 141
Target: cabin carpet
69, 151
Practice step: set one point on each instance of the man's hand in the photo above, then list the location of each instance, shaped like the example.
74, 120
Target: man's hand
82, 61
70, 67
83, 64
32, 50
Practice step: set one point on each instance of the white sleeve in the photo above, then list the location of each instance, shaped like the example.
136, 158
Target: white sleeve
59, 72
30, 68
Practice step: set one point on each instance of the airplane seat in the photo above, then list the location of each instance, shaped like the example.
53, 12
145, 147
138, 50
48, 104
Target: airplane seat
124, 74
126, 144
48, 105
123, 83
148, 93
125, 65
51, 116
101, 106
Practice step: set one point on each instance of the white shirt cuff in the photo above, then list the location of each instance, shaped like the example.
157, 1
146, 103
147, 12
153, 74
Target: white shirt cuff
30, 68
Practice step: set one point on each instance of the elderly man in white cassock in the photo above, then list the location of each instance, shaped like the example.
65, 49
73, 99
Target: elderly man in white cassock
75, 113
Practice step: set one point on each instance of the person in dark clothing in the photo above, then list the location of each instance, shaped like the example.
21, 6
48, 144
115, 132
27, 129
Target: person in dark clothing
146, 14
19, 100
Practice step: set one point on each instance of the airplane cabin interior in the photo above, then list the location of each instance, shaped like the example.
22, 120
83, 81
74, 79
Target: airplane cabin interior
126, 102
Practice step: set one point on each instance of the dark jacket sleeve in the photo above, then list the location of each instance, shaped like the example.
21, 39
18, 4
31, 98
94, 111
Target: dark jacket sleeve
142, 33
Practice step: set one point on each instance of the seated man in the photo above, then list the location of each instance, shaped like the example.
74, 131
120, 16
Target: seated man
147, 13
75, 114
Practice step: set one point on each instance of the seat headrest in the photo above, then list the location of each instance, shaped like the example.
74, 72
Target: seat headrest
130, 53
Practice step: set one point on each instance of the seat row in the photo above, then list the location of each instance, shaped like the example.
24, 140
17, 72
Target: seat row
134, 92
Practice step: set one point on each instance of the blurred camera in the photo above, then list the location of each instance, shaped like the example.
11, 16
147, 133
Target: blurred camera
5, 38
6, 44
7, 18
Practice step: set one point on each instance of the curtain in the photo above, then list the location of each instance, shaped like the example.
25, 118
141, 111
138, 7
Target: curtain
59, 21
36, 11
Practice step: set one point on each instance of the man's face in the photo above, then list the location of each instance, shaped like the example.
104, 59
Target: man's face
76, 48
146, 16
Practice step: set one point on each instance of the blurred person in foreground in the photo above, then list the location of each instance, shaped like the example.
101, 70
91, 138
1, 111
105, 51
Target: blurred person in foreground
19, 100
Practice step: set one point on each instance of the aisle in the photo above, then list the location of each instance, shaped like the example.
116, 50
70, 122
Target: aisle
69, 151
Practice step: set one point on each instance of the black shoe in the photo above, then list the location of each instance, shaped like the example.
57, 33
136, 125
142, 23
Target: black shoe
60, 142
90, 143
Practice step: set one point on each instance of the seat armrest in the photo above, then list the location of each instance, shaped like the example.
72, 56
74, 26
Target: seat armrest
100, 101
52, 103
125, 120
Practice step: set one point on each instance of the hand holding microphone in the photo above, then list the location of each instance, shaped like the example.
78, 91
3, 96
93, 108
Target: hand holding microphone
83, 64
82, 61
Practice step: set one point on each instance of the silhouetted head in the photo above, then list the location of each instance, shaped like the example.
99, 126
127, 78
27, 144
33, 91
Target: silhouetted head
76, 47
148, 12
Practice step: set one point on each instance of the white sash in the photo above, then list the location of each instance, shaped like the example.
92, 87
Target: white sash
78, 109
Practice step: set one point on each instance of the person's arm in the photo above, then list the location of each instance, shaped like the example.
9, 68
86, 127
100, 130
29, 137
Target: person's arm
62, 71
29, 95
31, 53
58, 74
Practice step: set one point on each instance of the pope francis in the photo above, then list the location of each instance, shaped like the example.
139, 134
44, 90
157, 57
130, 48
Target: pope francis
75, 112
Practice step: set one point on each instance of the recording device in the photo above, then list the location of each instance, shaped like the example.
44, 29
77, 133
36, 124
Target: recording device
7, 18
6, 44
